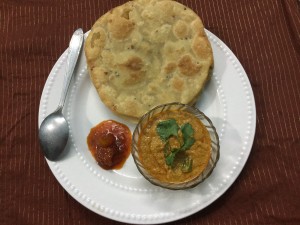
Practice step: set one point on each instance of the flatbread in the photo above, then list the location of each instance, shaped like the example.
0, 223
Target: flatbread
148, 52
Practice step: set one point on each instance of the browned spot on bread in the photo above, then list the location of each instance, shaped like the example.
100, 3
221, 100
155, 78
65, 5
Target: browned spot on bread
170, 67
181, 30
178, 84
120, 27
187, 66
201, 47
134, 78
98, 38
134, 63
126, 11
94, 38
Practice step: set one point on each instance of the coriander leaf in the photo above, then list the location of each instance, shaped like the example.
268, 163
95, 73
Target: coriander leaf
187, 129
188, 142
188, 136
170, 158
167, 128
187, 165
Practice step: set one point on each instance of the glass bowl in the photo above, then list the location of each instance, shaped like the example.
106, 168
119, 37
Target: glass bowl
215, 147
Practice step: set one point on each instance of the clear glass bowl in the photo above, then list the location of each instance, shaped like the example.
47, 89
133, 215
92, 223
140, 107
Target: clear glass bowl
215, 147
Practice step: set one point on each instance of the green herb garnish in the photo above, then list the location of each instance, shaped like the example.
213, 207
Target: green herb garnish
169, 128
170, 157
188, 136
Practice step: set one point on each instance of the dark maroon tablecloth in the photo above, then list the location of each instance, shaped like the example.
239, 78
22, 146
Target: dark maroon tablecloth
264, 35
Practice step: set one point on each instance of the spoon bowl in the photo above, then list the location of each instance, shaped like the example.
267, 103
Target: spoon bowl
54, 130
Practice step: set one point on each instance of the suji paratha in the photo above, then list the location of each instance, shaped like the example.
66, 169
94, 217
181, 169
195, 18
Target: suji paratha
148, 52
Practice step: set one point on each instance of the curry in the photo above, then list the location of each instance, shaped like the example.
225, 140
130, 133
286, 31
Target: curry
174, 146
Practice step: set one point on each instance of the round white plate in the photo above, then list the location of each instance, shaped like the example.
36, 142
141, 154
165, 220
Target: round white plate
124, 195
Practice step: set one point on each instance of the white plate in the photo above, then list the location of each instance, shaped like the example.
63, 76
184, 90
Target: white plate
124, 195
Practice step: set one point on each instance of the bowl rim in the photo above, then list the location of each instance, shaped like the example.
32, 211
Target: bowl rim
171, 185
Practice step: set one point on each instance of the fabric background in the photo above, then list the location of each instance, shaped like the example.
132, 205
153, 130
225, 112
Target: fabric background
264, 35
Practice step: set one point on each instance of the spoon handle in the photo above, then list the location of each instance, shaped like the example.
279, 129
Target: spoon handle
73, 53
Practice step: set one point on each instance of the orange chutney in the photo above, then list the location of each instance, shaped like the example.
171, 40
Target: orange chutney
110, 143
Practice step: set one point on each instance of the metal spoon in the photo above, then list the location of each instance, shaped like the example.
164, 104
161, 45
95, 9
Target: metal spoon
54, 130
